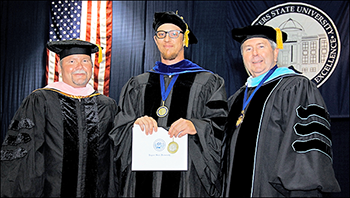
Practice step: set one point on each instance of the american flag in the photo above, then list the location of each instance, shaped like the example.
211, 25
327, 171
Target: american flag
85, 20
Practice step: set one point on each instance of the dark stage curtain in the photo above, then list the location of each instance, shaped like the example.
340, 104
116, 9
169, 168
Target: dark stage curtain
25, 27
24, 33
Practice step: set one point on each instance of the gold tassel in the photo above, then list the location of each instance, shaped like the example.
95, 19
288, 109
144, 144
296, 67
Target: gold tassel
186, 39
99, 53
279, 40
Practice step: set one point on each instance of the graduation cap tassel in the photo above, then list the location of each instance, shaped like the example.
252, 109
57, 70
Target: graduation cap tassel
186, 39
99, 53
279, 41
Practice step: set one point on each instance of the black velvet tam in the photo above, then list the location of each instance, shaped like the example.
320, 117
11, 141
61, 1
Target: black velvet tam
69, 47
268, 32
170, 17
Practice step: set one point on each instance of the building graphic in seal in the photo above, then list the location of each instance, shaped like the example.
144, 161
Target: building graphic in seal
313, 43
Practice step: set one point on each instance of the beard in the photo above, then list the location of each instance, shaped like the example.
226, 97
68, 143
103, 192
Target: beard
169, 56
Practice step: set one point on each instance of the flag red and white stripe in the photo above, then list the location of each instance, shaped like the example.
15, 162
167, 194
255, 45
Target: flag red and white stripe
86, 20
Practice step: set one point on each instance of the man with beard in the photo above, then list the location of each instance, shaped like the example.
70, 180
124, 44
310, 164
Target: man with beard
57, 144
277, 139
194, 103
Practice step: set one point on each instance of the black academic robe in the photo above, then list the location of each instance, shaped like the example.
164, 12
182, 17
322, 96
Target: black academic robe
58, 145
199, 97
283, 146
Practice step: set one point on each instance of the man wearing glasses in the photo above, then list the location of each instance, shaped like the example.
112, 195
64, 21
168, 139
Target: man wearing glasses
183, 98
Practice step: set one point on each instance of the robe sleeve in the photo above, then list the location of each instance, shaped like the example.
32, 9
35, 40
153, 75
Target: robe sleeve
122, 133
209, 117
22, 161
304, 165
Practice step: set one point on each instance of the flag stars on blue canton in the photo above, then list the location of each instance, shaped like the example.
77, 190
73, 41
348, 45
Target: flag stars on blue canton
65, 20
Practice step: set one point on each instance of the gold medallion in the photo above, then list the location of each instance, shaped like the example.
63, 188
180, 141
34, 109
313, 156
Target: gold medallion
162, 111
240, 119
173, 147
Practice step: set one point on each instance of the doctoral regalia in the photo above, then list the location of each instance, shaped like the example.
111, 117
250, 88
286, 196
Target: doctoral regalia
57, 145
283, 146
198, 96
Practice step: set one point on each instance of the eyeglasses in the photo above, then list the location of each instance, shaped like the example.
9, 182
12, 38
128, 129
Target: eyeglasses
172, 33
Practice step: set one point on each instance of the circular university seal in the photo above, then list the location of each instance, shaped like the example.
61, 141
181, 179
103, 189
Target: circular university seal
159, 144
313, 42
173, 147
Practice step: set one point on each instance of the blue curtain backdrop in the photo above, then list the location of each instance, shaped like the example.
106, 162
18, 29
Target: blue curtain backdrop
25, 27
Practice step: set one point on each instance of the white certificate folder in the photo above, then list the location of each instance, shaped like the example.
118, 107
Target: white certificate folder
158, 152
